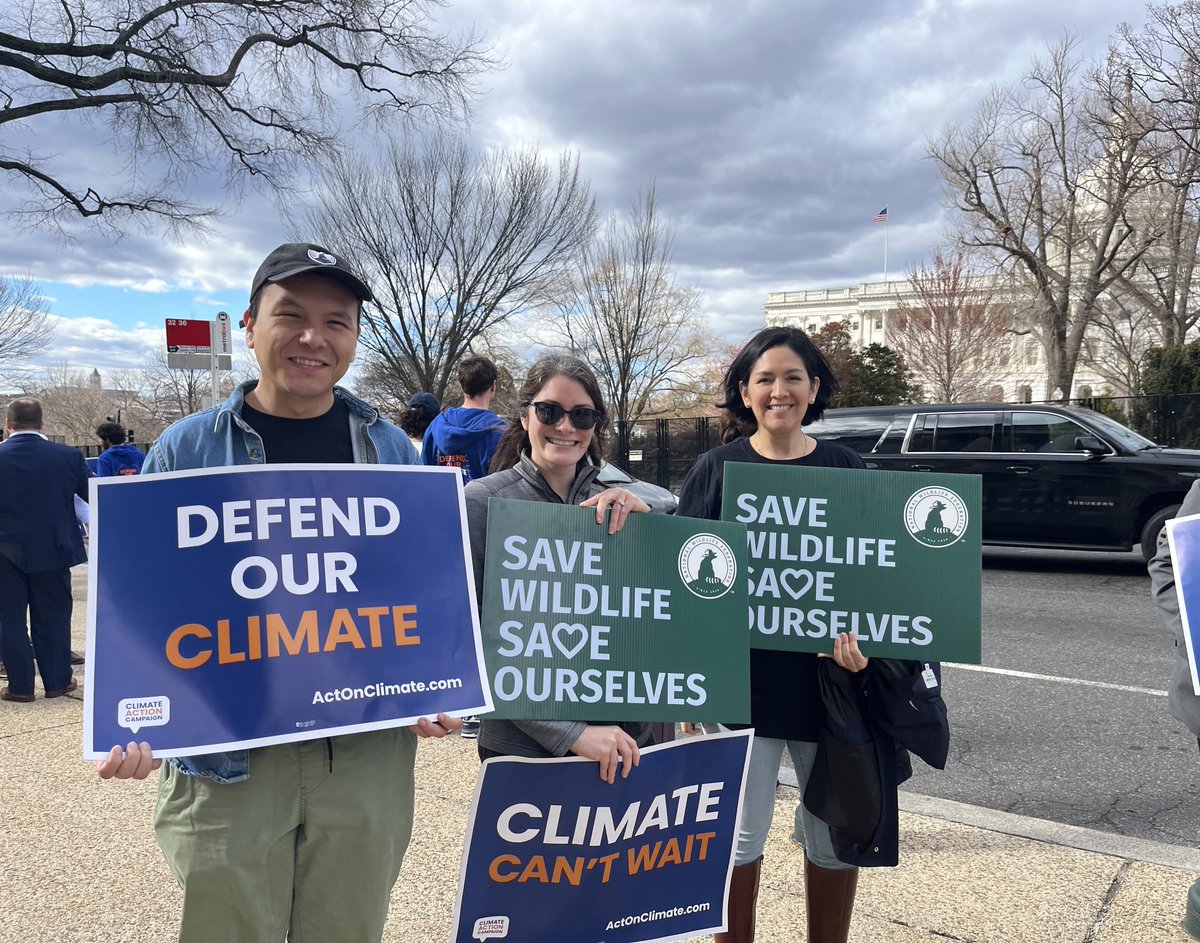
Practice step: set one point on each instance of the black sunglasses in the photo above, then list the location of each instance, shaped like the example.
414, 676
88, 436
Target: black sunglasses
582, 417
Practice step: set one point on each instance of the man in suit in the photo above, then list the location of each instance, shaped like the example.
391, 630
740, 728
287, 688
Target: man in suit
40, 541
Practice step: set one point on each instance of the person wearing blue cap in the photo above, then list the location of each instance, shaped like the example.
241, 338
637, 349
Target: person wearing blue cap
422, 410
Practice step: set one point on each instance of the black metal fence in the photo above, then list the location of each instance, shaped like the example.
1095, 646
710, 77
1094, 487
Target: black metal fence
663, 450
1169, 419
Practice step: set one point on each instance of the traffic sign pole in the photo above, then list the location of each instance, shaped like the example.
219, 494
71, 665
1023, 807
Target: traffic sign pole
218, 338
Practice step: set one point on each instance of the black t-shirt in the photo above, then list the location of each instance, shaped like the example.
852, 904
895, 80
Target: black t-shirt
785, 701
324, 438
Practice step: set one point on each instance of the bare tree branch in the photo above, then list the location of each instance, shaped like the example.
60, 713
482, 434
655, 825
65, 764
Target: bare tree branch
1161, 71
25, 326
1044, 179
250, 87
455, 245
637, 328
956, 337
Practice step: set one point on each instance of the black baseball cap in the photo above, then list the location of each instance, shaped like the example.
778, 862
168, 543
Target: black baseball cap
293, 258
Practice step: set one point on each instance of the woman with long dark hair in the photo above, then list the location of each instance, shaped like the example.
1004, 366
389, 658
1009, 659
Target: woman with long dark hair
551, 452
778, 383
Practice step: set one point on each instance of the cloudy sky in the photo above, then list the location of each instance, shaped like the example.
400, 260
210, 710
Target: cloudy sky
773, 129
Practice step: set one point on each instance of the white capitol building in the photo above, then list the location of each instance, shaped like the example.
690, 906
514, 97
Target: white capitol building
864, 310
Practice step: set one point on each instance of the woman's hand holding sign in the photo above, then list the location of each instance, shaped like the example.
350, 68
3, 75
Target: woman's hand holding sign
611, 747
620, 502
847, 653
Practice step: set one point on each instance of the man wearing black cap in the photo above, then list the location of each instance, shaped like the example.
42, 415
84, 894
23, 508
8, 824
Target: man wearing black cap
297, 839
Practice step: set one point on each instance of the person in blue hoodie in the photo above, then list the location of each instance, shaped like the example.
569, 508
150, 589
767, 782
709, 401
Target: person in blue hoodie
119, 458
466, 436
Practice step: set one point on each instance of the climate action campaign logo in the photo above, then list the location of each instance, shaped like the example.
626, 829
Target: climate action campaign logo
707, 566
935, 517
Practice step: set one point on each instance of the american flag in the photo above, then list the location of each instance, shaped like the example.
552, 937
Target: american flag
881, 216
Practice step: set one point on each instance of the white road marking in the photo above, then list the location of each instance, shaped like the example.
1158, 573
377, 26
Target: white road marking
1036, 677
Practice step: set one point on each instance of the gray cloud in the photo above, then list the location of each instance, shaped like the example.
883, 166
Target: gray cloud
774, 130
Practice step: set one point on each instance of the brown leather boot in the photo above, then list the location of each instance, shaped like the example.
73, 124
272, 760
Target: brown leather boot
830, 898
743, 901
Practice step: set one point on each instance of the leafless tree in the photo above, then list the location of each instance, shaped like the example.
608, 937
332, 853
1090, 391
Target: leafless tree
455, 245
1043, 178
172, 393
1160, 66
26, 328
1122, 333
390, 392
698, 389
250, 87
630, 320
75, 402
957, 335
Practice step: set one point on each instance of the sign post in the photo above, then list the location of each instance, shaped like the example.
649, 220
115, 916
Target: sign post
218, 344
200, 345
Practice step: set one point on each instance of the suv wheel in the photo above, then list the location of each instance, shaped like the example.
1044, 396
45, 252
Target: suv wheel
1152, 529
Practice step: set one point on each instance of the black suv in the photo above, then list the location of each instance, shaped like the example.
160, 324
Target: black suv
1053, 476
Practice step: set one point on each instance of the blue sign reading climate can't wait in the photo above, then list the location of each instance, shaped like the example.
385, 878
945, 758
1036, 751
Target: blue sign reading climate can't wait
556, 853
238, 607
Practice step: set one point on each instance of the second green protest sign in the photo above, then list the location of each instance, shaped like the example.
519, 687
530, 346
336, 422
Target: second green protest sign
893, 556
646, 624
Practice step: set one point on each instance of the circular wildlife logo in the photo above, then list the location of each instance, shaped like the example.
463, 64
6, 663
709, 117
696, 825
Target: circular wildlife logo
323, 257
707, 566
935, 517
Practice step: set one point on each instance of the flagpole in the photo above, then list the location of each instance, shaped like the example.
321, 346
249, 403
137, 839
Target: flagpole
882, 217
885, 250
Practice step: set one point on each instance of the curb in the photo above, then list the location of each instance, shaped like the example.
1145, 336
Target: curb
1043, 830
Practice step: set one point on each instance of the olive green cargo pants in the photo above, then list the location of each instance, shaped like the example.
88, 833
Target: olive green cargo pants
306, 849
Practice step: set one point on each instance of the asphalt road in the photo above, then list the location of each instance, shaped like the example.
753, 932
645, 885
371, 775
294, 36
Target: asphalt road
1098, 754
1076, 747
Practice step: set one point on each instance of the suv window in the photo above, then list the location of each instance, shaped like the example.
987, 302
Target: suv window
893, 439
1044, 432
857, 432
954, 432
1118, 433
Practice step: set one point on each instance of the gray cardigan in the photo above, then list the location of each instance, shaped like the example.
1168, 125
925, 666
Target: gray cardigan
1185, 704
535, 738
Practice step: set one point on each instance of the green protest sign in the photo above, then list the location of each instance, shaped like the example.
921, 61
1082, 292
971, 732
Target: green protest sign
646, 624
892, 556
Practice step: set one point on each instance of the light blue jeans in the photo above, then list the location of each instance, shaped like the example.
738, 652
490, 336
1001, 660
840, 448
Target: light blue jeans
758, 804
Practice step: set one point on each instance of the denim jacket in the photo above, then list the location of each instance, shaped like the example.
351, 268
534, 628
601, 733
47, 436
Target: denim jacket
220, 437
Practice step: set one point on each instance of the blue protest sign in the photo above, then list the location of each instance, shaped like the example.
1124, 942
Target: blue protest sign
1183, 534
236, 607
555, 853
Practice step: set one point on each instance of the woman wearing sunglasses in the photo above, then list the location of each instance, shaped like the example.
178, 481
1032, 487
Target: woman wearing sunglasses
551, 451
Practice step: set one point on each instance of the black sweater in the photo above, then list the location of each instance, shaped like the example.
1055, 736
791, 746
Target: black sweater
785, 702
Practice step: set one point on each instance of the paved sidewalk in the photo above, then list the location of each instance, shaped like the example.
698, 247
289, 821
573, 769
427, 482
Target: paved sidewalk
78, 860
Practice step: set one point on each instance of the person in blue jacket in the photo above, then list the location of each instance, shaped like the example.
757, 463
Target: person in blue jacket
300, 840
120, 457
466, 436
